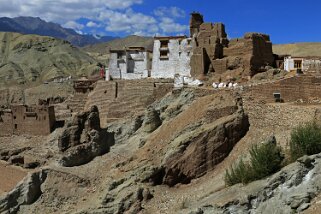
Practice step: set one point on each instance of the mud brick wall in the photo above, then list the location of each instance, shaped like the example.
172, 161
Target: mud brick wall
6, 123
305, 88
21, 119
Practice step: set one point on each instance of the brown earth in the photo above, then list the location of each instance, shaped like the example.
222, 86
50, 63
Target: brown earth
9, 177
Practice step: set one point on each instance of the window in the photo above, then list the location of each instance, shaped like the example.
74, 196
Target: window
119, 55
189, 41
14, 117
164, 43
15, 126
188, 53
44, 117
180, 53
297, 63
163, 54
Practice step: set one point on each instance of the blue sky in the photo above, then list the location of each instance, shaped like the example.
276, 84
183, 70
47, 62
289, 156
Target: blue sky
285, 21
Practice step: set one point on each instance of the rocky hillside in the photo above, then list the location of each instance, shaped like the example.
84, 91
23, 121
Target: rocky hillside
31, 58
33, 25
170, 159
299, 49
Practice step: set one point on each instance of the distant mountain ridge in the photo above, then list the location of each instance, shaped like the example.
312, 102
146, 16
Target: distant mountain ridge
103, 48
32, 25
31, 59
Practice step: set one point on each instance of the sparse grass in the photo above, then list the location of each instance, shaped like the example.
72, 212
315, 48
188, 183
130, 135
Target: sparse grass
305, 140
264, 160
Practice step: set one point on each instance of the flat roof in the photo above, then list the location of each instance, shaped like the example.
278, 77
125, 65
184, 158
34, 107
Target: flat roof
169, 37
130, 48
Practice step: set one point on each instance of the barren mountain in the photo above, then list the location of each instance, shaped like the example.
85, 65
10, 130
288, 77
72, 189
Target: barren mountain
31, 58
103, 48
33, 25
299, 49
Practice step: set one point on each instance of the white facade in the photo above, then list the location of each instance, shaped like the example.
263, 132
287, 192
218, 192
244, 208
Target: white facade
171, 56
305, 64
129, 64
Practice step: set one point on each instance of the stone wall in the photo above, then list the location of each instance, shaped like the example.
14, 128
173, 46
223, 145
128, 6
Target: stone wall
177, 62
304, 88
120, 99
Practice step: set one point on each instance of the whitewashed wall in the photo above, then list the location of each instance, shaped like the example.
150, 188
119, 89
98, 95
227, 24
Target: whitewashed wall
133, 65
176, 64
288, 64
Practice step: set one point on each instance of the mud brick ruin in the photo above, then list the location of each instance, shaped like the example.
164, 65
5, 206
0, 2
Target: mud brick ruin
22, 119
213, 52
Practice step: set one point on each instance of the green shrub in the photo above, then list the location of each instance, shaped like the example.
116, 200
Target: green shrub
305, 140
264, 160
239, 173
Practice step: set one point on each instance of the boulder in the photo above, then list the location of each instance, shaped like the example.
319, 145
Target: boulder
152, 120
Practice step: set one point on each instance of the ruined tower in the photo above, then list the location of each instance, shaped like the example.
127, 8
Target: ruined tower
195, 23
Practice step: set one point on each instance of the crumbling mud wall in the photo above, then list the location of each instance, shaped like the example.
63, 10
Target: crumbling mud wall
213, 53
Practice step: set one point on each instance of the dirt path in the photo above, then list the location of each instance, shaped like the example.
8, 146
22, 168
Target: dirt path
9, 177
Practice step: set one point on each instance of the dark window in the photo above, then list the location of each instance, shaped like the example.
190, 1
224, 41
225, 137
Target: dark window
164, 43
297, 63
164, 53
14, 117
44, 117
15, 126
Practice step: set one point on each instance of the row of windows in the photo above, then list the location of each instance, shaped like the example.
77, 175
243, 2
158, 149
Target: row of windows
165, 53
37, 118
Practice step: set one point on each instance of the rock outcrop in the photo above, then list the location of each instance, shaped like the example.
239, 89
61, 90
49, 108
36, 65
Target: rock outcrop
25, 193
152, 120
204, 146
289, 191
84, 139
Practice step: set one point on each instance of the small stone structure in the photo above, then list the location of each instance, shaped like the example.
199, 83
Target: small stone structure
31, 120
130, 63
171, 56
303, 63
